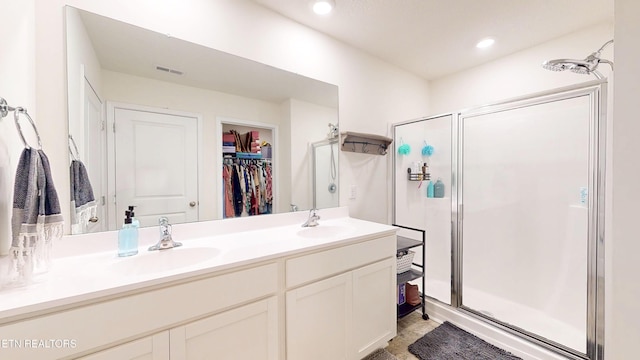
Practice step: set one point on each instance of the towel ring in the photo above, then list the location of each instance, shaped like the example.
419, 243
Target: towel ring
16, 116
76, 155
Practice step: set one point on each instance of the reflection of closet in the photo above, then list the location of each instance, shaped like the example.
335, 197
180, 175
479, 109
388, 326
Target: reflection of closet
247, 171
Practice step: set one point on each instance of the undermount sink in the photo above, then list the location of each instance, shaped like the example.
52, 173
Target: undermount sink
322, 231
147, 262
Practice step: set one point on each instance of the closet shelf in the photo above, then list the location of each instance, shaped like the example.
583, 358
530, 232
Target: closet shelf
365, 143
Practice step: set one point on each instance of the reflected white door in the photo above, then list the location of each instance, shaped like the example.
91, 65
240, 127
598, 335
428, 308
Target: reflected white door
95, 157
156, 164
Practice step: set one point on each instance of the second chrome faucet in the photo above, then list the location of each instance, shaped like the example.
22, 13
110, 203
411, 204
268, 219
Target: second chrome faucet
165, 242
313, 219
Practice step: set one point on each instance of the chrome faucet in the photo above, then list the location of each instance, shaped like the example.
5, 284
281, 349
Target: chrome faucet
166, 242
313, 218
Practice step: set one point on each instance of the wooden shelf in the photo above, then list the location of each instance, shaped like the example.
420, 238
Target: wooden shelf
365, 143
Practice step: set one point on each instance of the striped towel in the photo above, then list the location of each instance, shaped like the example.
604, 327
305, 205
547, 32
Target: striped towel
36, 219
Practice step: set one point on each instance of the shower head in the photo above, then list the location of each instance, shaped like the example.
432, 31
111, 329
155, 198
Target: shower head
562, 64
585, 67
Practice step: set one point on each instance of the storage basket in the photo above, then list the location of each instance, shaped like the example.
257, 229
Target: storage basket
404, 260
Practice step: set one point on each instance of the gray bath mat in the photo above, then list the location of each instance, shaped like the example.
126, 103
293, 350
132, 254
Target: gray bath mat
380, 354
448, 342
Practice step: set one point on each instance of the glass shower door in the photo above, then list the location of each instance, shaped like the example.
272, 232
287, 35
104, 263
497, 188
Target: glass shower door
526, 176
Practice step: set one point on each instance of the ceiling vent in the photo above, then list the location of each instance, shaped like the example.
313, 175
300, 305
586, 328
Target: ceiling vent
169, 70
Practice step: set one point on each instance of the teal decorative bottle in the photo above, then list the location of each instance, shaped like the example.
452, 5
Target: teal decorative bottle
438, 189
430, 189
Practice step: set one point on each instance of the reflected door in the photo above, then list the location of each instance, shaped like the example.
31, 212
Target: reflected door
156, 166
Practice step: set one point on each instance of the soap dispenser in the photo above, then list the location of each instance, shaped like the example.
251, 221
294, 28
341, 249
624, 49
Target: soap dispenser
128, 237
134, 220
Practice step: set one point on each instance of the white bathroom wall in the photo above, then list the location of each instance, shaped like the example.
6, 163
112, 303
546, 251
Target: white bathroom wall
623, 321
17, 87
119, 87
372, 92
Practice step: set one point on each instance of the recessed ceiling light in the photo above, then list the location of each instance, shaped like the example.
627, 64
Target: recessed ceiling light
323, 7
485, 43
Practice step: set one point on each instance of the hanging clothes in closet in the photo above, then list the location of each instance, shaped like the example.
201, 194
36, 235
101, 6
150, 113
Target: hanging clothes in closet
248, 187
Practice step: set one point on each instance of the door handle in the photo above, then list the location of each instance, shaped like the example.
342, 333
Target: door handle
93, 219
192, 204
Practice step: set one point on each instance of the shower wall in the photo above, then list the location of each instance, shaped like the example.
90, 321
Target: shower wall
415, 209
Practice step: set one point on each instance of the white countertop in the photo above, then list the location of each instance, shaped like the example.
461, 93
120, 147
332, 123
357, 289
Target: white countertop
86, 268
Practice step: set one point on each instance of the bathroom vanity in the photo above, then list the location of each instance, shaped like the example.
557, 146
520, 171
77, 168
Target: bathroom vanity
274, 290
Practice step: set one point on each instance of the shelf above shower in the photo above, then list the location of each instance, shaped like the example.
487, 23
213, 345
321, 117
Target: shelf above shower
365, 143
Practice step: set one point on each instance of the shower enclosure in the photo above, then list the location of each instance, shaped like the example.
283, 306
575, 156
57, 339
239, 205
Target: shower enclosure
325, 174
518, 239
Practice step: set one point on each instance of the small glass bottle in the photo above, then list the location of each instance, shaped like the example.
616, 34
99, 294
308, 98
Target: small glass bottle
127, 237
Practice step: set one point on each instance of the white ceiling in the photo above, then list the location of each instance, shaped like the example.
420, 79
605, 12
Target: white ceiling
434, 38
128, 49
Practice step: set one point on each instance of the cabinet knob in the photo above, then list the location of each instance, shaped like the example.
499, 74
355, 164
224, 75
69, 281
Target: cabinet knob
192, 204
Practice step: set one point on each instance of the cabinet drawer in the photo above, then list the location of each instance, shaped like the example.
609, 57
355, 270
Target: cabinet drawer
323, 264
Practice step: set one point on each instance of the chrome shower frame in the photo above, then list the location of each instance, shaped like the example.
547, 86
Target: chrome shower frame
595, 276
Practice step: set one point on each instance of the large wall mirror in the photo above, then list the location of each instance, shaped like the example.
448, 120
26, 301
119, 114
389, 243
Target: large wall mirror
151, 119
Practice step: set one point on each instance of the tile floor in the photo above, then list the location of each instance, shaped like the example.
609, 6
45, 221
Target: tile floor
410, 329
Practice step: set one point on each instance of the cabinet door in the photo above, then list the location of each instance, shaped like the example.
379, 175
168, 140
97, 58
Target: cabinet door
319, 320
374, 307
247, 332
154, 347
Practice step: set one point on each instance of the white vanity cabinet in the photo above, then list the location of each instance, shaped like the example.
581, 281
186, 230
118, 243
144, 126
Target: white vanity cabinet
343, 316
373, 295
319, 319
154, 347
247, 332
306, 299
120, 325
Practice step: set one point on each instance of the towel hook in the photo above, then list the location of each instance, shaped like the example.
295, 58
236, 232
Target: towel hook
16, 117
76, 155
